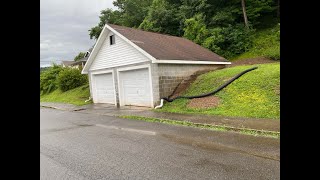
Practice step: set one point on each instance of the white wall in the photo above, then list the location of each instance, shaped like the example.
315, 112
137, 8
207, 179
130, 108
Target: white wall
118, 54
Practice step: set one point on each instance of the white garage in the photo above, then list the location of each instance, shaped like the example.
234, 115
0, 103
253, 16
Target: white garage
135, 87
103, 88
128, 66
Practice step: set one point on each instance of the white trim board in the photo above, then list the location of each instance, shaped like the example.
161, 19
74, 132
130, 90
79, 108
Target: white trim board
119, 66
102, 71
134, 67
187, 62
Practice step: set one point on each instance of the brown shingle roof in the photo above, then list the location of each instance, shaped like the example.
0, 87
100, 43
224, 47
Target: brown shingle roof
166, 47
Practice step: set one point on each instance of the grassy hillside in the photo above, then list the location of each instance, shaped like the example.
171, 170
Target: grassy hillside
75, 96
255, 94
266, 43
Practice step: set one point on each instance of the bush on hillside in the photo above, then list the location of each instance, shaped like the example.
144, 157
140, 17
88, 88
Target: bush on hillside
48, 79
267, 43
229, 41
272, 52
70, 78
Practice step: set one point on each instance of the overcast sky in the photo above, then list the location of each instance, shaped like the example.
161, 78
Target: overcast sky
64, 26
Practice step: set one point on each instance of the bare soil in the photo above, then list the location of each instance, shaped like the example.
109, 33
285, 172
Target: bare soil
205, 102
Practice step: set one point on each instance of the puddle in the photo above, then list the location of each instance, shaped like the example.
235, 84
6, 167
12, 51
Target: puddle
127, 129
211, 146
195, 143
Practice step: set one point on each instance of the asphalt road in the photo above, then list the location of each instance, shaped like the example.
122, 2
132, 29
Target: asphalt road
74, 145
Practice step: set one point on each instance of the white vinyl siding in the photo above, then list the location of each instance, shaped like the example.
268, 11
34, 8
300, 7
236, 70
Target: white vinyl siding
119, 54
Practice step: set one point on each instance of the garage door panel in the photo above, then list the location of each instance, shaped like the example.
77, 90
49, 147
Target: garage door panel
135, 87
104, 88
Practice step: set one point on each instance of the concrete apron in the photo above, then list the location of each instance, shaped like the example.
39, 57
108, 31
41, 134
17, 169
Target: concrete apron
111, 110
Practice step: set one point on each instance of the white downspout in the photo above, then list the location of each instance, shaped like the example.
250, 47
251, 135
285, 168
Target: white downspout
88, 99
161, 104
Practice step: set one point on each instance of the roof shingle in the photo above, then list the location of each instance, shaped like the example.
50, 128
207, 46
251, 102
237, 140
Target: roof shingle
166, 47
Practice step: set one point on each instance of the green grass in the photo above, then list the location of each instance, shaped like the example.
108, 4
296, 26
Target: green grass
206, 126
266, 43
75, 96
255, 94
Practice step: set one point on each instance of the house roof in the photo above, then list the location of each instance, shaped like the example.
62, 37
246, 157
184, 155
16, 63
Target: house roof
159, 48
166, 47
83, 60
67, 63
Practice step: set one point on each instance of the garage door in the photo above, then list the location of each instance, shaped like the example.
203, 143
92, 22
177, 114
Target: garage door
103, 88
135, 87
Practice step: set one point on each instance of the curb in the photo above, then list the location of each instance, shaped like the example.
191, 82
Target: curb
248, 131
235, 129
203, 125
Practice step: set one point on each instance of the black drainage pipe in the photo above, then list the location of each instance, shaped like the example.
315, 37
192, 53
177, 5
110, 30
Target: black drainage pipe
213, 92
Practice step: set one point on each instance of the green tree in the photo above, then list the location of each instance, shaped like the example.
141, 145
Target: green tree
243, 4
163, 17
79, 56
48, 79
70, 78
229, 41
130, 13
133, 11
108, 15
219, 25
195, 29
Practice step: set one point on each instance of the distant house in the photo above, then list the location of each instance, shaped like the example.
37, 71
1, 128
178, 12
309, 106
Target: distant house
77, 64
66, 63
81, 62
129, 66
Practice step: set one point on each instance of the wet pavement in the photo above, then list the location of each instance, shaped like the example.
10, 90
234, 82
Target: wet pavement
111, 110
76, 145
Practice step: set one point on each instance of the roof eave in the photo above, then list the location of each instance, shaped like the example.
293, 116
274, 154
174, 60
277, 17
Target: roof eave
167, 61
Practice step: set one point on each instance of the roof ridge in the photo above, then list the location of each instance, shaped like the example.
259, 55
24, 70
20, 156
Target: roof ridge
162, 34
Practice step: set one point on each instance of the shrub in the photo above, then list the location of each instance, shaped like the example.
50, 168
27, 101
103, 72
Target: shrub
48, 79
267, 43
70, 78
272, 52
195, 29
229, 41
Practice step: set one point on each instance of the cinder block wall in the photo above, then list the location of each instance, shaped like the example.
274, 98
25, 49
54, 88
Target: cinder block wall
170, 75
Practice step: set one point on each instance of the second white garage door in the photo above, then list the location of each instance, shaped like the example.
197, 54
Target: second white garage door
135, 87
103, 88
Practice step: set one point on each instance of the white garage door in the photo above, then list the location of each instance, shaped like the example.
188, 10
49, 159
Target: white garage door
103, 88
135, 87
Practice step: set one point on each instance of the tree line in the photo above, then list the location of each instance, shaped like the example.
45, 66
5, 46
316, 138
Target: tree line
223, 26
